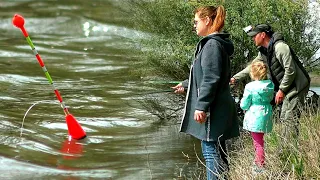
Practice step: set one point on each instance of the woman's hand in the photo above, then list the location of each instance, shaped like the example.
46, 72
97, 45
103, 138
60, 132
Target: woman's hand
178, 89
200, 116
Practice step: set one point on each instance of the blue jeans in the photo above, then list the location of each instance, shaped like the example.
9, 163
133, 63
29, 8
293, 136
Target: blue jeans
215, 155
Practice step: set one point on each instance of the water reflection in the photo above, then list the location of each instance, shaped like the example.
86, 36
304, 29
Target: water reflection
71, 150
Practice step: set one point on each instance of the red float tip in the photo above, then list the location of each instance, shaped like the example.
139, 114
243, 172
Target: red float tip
18, 21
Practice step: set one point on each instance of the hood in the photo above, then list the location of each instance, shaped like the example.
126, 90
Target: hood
268, 86
223, 38
266, 91
276, 37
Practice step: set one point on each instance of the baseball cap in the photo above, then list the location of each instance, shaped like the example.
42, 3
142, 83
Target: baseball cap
254, 30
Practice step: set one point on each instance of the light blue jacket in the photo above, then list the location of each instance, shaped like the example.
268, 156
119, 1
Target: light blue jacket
256, 102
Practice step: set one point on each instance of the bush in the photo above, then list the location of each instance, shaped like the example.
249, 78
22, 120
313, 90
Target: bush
168, 51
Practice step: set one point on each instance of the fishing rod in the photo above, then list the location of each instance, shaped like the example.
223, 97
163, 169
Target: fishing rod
155, 92
163, 82
74, 128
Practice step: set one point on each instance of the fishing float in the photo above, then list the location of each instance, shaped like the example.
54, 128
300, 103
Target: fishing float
74, 128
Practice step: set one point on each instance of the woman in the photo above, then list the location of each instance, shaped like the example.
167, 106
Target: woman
210, 112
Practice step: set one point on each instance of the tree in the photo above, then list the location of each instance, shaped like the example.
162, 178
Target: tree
169, 44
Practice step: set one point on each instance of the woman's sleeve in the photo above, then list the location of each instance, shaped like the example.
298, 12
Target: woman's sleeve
185, 83
245, 102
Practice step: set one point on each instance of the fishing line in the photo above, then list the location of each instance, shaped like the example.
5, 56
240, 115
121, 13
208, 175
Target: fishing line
25, 115
155, 92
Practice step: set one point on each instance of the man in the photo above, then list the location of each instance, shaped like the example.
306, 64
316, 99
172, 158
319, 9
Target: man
291, 80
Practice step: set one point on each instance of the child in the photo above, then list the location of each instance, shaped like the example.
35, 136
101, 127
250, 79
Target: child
256, 102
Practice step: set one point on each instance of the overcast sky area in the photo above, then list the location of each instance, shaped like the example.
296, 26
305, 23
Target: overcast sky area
315, 12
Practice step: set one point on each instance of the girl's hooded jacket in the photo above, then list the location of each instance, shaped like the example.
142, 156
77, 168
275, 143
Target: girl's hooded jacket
208, 90
256, 102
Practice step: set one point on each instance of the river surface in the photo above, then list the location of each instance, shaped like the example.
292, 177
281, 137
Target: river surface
88, 49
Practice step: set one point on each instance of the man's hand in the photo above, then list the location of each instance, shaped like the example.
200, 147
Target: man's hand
200, 116
279, 97
179, 89
232, 81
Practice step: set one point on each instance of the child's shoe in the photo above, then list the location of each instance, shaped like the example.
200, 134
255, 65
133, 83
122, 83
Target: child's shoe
258, 170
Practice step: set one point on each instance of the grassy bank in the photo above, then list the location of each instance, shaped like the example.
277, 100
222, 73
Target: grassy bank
301, 161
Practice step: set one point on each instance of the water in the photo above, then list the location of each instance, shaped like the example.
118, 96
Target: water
88, 50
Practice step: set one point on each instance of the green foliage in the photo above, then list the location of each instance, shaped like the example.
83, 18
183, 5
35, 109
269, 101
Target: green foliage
172, 42
295, 161
167, 52
288, 17
167, 49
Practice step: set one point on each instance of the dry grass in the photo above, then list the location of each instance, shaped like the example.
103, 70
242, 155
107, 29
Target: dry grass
300, 161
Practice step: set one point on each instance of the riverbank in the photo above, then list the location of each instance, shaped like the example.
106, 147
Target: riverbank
296, 162
315, 79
